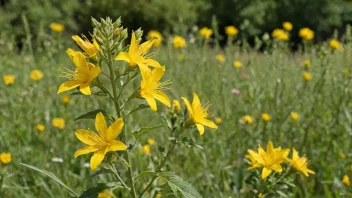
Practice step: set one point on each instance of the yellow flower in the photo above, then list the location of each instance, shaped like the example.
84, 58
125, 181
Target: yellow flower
151, 87
294, 116
136, 54
280, 34
237, 64
155, 34
287, 25
247, 119
206, 32
179, 42
105, 194
220, 58
199, 114
151, 141
91, 49
307, 76
346, 180
36, 75
176, 105
146, 149
300, 163
40, 127
83, 75
9, 79
231, 31
306, 33
65, 99
5, 158
158, 195
342, 155
335, 44
100, 143
57, 27
58, 123
270, 159
306, 63
218, 120
266, 117
181, 57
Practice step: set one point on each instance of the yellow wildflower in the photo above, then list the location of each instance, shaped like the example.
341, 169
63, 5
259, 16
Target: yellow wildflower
247, 119
9, 79
237, 64
335, 44
151, 88
36, 75
287, 25
231, 31
307, 76
151, 141
181, 57
152, 34
91, 49
306, 33
84, 74
346, 72
270, 159
40, 127
176, 105
342, 155
105, 194
218, 120
158, 195
58, 123
57, 27
206, 32
136, 54
179, 42
306, 63
220, 58
199, 114
300, 163
100, 143
5, 158
294, 116
280, 34
146, 149
65, 99
266, 117
346, 180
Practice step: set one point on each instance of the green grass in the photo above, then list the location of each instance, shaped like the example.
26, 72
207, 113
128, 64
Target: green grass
269, 82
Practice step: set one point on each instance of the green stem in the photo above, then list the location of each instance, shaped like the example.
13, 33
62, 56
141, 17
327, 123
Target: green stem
113, 168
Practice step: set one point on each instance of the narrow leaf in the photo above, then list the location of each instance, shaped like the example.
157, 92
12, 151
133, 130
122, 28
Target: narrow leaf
91, 114
94, 191
144, 130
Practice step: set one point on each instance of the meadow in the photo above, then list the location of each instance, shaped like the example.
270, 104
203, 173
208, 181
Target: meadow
267, 92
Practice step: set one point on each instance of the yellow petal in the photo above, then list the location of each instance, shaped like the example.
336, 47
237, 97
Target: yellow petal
116, 145
188, 105
196, 101
97, 158
151, 102
85, 89
270, 147
265, 172
277, 168
93, 73
79, 60
208, 123
144, 47
85, 150
123, 56
133, 45
163, 98
151, 62
158, 73
100, 125
68, 85
295, 154
114, 129
96, 45
88, 137
200, 129
145, 71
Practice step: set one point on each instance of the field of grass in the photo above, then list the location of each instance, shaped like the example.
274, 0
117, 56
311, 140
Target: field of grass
270, 81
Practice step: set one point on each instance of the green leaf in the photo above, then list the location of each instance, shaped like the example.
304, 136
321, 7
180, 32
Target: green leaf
144, 130
179, 186
51, 175
94, 191
139, 107
91, 115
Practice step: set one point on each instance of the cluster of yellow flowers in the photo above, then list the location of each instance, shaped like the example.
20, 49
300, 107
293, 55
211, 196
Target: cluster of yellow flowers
221, 59
282, 34
5, 158
271, 160
146, 148
247, 119
206, 32
306, 33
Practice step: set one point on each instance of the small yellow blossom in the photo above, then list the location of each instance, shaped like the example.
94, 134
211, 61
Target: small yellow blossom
306, 63
247, 119
199, 114
260, 195
146, 149
152, 34
335, 44
266, 117
65, 99
181, 57
300, 163
57, 27
287, 25
307, 76
306, 33
105, 194
346, 72
40, 127
9, 79
346, 180
218, 120
294, 116
280, 34
176, 104
231, 31
342, 155
220, 58
158, 195
58, 123
179, 42
206, 32
36, 75
5, 158
237, 64
151, 141
91, 49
